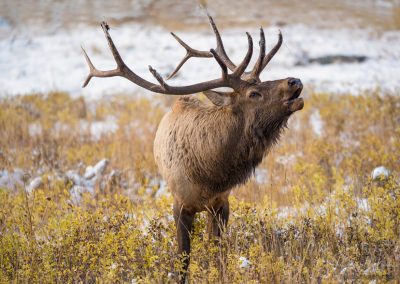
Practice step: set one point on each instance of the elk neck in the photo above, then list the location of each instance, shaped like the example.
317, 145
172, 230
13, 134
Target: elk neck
221, 146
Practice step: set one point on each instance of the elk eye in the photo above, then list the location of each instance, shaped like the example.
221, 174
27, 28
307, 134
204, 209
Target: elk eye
254, 95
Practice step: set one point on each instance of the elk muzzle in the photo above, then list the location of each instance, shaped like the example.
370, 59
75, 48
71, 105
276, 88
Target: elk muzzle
294, 103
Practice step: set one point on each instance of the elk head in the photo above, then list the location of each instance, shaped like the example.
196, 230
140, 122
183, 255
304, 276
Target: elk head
280, 97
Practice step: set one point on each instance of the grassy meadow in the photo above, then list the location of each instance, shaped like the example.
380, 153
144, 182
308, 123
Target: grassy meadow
312, 214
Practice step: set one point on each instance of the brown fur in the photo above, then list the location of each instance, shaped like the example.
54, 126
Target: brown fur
203, 151
214, 148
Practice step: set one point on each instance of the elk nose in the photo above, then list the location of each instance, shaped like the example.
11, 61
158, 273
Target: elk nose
294, 82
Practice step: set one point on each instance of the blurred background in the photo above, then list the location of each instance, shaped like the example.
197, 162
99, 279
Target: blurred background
335, 46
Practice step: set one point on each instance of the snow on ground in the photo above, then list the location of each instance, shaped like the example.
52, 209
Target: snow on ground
380, 173
42, 63
34, 184
94, 176
11, 179
86, 183
100, 127
244, 262
317, 123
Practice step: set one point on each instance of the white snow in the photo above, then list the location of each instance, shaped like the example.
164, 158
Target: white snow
97, 170
286, 159
380, 172
11, 180
331, 202
100, 127
34, 184
244, 262
261, 176
363, 204
77, 191
35, 129
86, 183
62, 66
163, 190
317, 123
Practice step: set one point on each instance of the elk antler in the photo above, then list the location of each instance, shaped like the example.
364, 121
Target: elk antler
255, 73
258, 67
227, 80
220, 50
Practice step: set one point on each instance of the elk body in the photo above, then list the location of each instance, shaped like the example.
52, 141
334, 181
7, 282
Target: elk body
204, 150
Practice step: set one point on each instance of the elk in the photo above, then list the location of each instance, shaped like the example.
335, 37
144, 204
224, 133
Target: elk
204, 150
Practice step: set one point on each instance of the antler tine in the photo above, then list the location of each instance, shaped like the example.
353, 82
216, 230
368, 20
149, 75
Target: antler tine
220, 46
159, 78
221, 63
114, 50
190, 52
273, 51
93, 72
255, 73
243, 65
91, 68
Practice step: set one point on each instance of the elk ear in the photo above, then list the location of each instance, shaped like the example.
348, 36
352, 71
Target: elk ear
219, 98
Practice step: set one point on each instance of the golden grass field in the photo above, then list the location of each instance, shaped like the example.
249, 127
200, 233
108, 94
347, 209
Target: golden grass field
316, 216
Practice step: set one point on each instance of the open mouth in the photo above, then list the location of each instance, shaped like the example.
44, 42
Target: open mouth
294, 103
296, 94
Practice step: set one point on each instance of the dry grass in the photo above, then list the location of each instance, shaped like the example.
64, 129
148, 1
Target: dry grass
304, 223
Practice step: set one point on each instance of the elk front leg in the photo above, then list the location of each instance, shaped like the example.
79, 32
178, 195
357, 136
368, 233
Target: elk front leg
217, 222
218, 219
183, 220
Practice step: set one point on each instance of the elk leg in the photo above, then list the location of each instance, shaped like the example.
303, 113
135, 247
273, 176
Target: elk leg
183, 220
218, 219
217, 222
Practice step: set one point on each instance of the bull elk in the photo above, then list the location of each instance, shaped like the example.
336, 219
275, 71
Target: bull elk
203, 150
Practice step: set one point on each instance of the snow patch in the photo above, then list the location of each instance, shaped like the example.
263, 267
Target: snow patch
86, 183
99, 128
286, 159
162, 191
34, 184
35, 129
244, 262
380, 173
261, 176
317, 123
11, 180
97, 170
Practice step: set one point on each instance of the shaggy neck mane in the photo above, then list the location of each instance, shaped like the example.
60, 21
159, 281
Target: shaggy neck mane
228, 150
